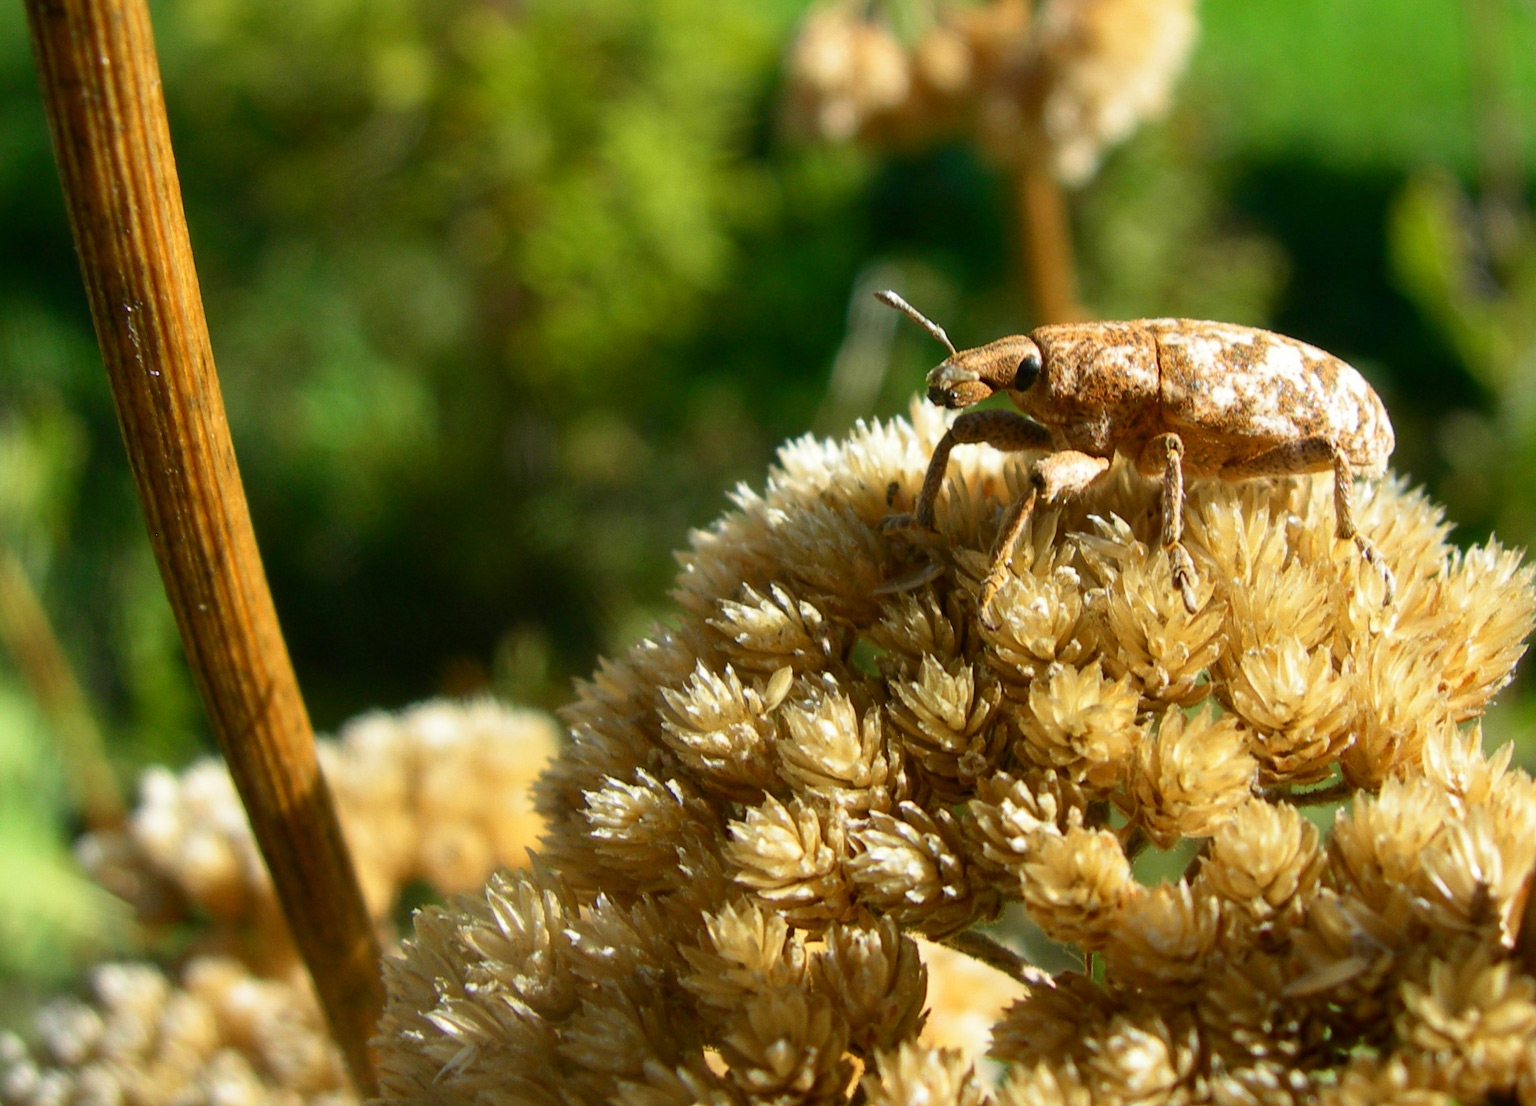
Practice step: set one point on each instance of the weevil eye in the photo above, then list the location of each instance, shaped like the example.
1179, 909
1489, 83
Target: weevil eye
1029, 369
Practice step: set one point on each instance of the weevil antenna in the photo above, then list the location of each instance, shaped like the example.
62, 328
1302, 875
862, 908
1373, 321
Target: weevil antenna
891, 299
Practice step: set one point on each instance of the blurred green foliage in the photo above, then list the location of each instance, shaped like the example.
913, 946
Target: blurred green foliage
506, 294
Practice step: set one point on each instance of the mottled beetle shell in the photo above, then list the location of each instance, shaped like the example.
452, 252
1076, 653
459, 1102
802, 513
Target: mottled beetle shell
1231, 392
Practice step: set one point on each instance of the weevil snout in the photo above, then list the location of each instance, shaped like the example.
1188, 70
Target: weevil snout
970, 376
955, 386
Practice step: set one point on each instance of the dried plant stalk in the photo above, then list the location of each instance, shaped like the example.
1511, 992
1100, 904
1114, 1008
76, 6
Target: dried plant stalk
28, 637
101, 85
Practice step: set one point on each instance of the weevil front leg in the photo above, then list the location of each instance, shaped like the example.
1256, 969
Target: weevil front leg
1063, 473
1005, 430
1315, 455
1171, 446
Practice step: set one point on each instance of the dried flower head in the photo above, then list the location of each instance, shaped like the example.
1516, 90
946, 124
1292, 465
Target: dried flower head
217, 1036
1056, 83
439, 793
826, 756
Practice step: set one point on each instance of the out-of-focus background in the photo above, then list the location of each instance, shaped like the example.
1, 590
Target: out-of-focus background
507, 294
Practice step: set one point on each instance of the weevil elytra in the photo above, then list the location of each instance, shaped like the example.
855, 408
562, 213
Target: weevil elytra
1177, 398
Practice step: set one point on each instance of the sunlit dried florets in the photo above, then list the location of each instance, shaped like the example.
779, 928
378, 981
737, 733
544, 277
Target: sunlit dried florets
439, 793
1056, 83
215, 1037
826, 755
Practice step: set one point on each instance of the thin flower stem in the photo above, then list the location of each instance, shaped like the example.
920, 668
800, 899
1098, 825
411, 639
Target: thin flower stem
1045, 245
1334, 792
101, 86
27, 636
994, 954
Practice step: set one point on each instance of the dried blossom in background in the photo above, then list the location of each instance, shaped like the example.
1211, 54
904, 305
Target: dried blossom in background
438, 793
764, 803
1057, 84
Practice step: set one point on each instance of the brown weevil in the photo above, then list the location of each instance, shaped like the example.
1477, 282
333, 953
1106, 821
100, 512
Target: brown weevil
1177, 398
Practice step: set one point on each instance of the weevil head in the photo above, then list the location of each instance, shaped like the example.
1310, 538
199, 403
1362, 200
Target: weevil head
1009, 364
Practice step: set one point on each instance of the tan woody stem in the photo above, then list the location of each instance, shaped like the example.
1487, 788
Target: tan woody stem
1044, 234
101, 85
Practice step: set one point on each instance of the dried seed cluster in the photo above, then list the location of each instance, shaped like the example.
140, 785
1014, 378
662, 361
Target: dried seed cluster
762, 805
437, 793
1058, 83
218, 1036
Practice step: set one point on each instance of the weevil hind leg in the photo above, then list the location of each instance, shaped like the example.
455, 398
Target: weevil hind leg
1319, 455
1184, 578
1063, 473
1344, 523
1005, 430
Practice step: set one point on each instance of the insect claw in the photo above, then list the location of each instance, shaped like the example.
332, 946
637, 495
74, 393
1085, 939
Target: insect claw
1372, 556
1184, 576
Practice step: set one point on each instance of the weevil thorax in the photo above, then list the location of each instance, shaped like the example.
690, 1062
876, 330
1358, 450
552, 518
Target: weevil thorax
1097, 387
973, 375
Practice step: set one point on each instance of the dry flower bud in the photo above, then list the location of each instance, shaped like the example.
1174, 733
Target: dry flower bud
1077, 884
1106, 65
1082, 723
1164, 937
1008, 815
912, 867
878, 981
1144, 629
440, 792
913, 1075
829, 751
1471, 1018
1142, 1059
1190, 776
750, 948
1052, 1022
1300, 709
721, 729
1264, 864
215, 1036
785, 1045
767, 633
792, 857
945, 718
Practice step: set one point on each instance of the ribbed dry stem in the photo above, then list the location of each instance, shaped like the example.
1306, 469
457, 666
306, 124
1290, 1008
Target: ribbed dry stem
101, 86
